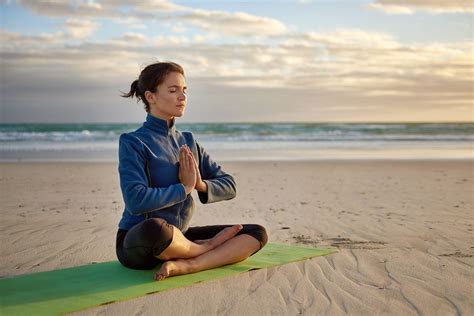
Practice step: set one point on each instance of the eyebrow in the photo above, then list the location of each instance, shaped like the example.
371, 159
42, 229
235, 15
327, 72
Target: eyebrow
175, 86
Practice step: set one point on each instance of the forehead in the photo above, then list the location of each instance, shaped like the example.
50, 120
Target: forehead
174, 79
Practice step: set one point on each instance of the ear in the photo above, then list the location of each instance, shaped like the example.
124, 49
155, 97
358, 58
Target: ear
150, 97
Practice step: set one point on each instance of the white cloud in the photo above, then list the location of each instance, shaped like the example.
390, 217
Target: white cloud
102, 8
179, 28
365, 63
433, 6
202, 38
130, 22
343, 37
234, 24
63, 7
80, 29
349, 60
135, 37
346, 65
237, 24
173, 41
13, 42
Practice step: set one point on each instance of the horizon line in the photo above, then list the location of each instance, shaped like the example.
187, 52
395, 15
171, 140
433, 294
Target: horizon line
259, 122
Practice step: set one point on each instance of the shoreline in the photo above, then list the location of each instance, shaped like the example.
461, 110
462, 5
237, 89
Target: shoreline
260, 151
237, 161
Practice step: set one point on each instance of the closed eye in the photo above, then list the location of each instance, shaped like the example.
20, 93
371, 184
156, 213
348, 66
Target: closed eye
173, 91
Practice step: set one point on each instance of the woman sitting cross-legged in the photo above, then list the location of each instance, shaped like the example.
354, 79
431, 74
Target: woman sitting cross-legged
159, 167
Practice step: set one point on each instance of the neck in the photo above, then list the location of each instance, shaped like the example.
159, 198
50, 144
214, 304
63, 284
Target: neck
167, 118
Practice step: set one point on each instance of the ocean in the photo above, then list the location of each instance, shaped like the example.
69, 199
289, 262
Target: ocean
249, 141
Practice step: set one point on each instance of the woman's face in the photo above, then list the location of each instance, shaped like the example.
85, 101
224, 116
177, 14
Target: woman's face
169, 100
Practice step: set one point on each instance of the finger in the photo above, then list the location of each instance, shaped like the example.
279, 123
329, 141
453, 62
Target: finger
185, 148
195, 163
184, 157
191, 153
194, 160
189, 160
181, 154
183, 165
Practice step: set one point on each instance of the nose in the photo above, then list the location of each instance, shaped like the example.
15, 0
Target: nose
181, 96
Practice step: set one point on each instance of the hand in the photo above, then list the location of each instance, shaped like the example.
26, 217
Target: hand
187, 169
201, 186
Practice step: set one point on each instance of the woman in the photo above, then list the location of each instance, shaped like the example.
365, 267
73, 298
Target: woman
159, 167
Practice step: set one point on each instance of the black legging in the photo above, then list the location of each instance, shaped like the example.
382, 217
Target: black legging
138, 247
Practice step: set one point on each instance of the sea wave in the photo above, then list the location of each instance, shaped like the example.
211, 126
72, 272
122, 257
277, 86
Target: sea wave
247, 132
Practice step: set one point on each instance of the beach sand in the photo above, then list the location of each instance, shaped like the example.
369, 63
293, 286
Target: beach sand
403, 230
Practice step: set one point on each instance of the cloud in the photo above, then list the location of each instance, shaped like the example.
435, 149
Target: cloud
128, 40
432, 6
351, 61
233, 24
74, 29
131, 23
63, 8
80, 29
170, 41
238, 24
179, 28
327, 70
102, 8
342, 37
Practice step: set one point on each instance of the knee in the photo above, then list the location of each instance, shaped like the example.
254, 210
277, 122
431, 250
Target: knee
258, 232
152, 226
264, 234
147, 233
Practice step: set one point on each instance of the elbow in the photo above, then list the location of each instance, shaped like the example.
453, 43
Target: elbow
233, 188
234, 191
133, 206
133, 198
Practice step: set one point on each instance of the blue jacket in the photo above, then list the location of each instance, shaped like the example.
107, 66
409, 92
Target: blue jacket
148, 168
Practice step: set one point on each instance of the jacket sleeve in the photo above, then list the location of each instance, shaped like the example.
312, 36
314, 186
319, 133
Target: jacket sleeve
138, 195
220, 185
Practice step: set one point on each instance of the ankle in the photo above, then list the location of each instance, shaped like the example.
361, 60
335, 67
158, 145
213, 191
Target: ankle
189, 265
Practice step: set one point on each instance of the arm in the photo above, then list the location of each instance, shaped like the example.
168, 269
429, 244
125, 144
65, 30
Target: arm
213, 184
138, 195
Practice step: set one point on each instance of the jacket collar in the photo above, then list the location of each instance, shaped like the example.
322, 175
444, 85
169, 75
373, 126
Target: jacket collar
159, 125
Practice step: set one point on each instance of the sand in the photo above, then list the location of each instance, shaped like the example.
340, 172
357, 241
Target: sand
403, 230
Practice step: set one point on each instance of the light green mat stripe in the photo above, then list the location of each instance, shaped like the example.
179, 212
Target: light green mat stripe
67, 290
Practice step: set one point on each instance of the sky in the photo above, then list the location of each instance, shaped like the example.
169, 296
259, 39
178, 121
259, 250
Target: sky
245, 61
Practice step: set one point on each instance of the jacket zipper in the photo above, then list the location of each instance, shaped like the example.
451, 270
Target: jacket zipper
176, 147
174, 144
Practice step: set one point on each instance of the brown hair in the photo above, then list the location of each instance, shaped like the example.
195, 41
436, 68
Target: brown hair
149, 79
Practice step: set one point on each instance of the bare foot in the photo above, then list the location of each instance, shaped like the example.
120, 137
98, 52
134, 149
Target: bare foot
220, 238
170, 268
223, 236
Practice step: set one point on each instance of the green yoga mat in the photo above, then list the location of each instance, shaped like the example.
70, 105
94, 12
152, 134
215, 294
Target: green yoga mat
72, 289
